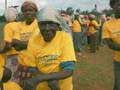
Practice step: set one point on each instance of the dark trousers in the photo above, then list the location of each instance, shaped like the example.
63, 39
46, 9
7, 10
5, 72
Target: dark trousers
93, 42
117, 75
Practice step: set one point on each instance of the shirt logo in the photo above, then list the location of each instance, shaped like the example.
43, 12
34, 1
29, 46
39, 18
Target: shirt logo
25, 36
48, 59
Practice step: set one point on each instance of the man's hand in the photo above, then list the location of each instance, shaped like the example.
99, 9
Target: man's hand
53, 85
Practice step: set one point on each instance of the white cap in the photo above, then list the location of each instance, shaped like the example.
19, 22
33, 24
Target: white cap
10, 14
48, 14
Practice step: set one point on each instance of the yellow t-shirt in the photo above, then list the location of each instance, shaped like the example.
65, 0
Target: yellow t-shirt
91, 26
11, 86
76, 27
24, 33
2, 60
9, 31
111, 29
47, 56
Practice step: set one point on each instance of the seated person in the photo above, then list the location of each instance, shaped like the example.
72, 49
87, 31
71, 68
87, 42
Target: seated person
51, 52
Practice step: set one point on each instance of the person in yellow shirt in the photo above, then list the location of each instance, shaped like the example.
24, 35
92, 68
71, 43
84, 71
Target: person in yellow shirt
111, 33
51, 52
93, 33
21, 37
5, 84
8, 53
77, 34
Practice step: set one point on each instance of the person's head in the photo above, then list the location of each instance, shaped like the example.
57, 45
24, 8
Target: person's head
48, 23
91, 17
76, 17
29, 10
10, 14
5, 74
115, 5
86, 17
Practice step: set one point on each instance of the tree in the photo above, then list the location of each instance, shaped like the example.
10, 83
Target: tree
108, 12
2, 18
70, 11
78, 10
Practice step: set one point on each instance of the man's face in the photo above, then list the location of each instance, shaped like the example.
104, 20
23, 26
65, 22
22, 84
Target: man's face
48, 31
116, 8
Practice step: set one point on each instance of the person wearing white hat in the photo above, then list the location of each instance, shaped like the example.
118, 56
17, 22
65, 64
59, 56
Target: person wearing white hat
51, 52
10, 14
7, 50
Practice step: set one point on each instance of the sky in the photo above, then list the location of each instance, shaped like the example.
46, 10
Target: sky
61, 4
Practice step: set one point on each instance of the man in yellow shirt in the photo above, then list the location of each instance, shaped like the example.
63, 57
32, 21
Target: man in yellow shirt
8, 53
51, 52
5, 84
77, 34
111, 33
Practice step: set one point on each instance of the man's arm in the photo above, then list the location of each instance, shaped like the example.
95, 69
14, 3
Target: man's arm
5, 46
54, 76
112, 45
51, 78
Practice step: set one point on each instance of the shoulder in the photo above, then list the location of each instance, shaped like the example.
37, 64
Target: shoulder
11, 24
64, 35
110, 22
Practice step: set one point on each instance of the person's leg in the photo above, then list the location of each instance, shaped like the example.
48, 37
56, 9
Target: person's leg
117, 76
92, 43
80, 35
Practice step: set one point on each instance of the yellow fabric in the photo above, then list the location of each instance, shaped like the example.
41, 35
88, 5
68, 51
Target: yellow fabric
111, 29
11, 86
65, 84
48, 56
9, 31
24, 33
91, 28
76, 27
1, 72
2, 60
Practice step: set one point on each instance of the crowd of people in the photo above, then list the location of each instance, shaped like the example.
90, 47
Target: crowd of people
39, 52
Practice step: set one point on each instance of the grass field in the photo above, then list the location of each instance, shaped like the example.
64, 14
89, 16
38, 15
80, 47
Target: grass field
93, 71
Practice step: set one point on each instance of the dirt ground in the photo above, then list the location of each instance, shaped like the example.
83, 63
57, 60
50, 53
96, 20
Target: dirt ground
94, 71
